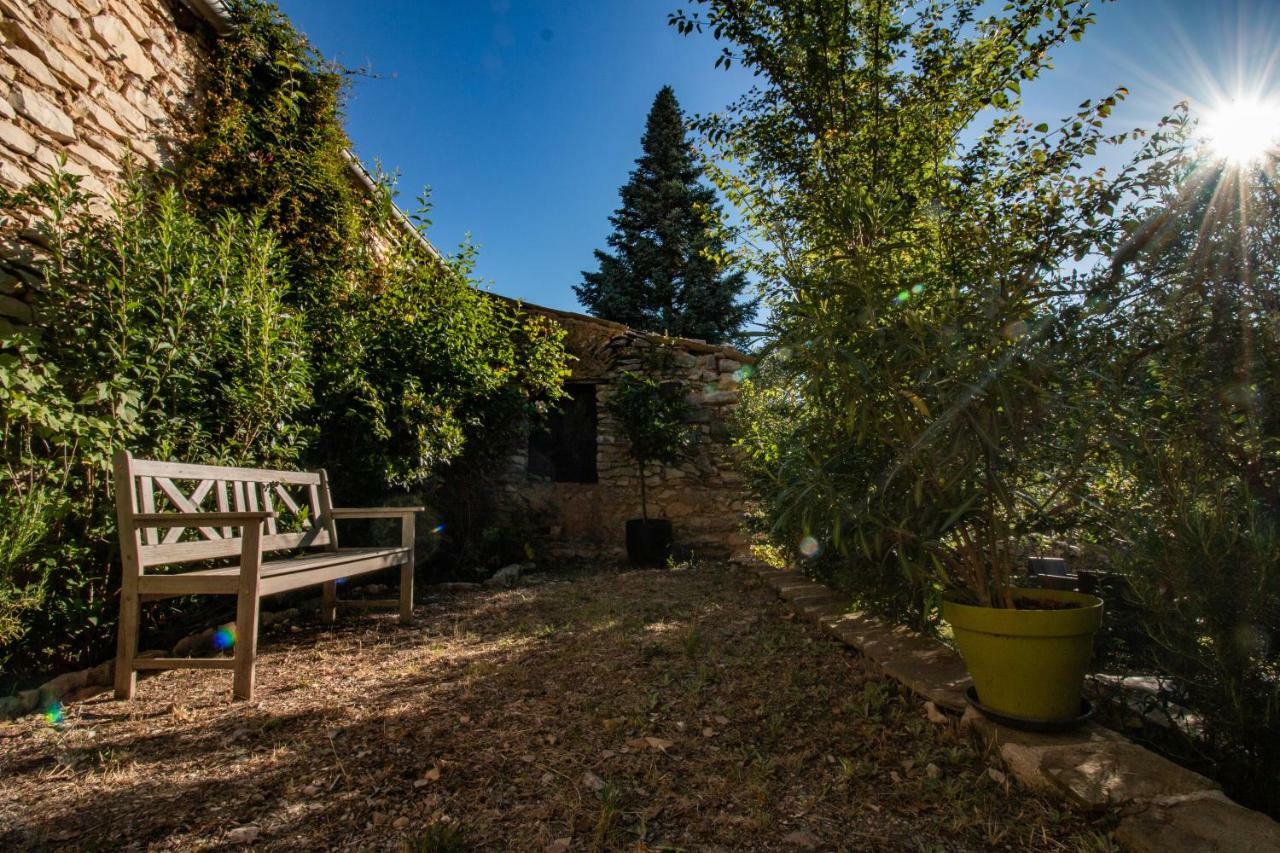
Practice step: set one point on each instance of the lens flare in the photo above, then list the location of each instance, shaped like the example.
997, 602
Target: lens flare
438, 529
744, 372
53, 715
224, 638
1244, 130
809, 546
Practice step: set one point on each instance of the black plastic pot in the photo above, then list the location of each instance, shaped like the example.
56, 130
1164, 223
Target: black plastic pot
649, 541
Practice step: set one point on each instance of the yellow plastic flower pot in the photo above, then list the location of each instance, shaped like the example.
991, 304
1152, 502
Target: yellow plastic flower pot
1028, 663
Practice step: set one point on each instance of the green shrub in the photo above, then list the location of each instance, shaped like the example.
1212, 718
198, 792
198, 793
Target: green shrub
156, 331
1191, 421
258, 307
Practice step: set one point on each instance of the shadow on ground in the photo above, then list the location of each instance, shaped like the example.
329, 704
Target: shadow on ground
665, 709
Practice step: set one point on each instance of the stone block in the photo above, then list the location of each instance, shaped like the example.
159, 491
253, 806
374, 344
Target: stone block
115, 37
1092, 767
63, 7
43, 113
17, 139
95, 158
936, 673
125, 113
1203, 823
16, 309
29, 63
88, 109
12, 176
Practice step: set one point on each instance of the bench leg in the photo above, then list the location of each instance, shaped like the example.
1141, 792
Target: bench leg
329, 602
127, 644
246, 645
406, 593
406, 571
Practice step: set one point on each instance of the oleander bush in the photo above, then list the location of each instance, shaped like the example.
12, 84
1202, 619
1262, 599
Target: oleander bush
982, 344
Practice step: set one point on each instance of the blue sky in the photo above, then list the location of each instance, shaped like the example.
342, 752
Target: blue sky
524, 116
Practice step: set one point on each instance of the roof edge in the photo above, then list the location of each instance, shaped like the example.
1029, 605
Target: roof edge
214, 13
690, 344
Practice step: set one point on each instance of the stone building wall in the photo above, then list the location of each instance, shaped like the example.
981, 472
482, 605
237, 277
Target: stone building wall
97, 82
704, 497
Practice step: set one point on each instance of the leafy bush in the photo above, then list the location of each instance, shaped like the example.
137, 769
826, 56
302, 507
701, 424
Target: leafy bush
265, 309
1192, 426
981, 344
156, 331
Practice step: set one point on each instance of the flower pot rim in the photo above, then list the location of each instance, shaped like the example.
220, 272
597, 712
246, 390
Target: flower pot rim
1086, 600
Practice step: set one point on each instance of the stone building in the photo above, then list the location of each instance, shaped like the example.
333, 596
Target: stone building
576, 476
96, 83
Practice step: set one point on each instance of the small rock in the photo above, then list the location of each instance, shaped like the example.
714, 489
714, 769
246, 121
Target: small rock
934, 715
243, 835
432, 775
548, 778
505, 576
932, 771
708, 732
560, 845
400, 823
379, 818
997, 776
592, 781
310, 791
801, 838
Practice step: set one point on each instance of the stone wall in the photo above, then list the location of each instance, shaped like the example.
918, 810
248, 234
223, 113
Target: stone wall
704, 497
97, 82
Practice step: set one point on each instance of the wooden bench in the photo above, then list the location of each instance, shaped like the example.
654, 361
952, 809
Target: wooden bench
255, 512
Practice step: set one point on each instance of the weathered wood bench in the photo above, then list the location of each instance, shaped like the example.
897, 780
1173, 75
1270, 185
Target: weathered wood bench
256, 512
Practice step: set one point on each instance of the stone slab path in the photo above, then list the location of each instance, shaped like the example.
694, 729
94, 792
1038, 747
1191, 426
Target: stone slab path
1164, 808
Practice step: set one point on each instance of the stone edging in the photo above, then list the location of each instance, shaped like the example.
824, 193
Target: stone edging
1165, 807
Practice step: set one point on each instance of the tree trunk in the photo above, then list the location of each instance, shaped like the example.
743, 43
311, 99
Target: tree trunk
644, 495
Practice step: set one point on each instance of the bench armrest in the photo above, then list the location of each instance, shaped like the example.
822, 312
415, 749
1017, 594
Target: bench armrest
200, 519
376, 511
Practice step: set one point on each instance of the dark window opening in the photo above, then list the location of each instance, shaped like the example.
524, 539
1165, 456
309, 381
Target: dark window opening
563, 446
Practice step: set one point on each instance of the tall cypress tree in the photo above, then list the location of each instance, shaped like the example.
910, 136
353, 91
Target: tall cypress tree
665, 273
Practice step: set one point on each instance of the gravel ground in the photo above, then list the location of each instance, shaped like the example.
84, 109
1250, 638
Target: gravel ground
675, 709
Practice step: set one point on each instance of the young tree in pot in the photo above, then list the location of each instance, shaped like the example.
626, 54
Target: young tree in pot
925, 277
653, 417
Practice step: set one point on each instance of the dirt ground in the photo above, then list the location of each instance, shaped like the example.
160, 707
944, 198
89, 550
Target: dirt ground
675, 709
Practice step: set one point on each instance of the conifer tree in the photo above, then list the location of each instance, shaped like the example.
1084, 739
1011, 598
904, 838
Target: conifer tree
667, 271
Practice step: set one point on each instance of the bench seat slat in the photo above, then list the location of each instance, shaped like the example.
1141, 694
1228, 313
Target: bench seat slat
277, 575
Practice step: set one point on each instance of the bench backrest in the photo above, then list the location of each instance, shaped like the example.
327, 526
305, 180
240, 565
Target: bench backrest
301, 498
